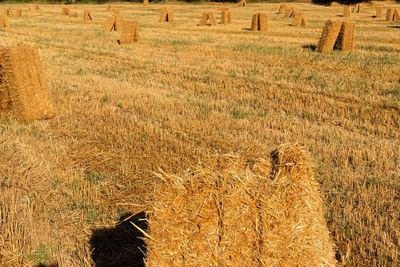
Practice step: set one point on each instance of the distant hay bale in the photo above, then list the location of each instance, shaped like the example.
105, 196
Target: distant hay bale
208, 16
290, 13
18, 12
390, 14
243, 3
4, 22
345, 39
241, 210
116, 11
226, 16
282, 8
167, 15
8, 12
346, 11
130, 32
146, 2
22, 85
88, 15
36, 7
357, 8
329, 35
108, 8
396, 15
114, 23
379, 12
65, 11
300, 19
259, 22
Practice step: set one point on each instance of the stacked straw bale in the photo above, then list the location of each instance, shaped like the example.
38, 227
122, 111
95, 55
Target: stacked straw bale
337, 34
390, 14
346, 11
208, 16
259, 22
88, 15
114, 23
241, 210
290, 12
243, 3
396, 16
283, 8
167, 15
226, 16
22, 86
345, 39
4, 22
300, 19
357, 8
379, 12
130, 32
65, 11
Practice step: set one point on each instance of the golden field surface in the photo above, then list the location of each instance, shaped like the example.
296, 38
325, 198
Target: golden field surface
184, 93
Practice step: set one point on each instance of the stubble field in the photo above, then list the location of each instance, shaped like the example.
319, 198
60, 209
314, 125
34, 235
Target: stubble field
184, 93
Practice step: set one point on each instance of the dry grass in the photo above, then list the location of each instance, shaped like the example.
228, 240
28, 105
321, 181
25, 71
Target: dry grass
123, 112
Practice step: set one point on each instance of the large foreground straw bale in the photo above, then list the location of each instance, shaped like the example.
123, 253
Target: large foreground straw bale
246, 210
282, 8
259, 22
346, 11
130, 32
22, 86
4, 22
300, 20
167, 15
208, 16
226, 16
345, 39
329, 35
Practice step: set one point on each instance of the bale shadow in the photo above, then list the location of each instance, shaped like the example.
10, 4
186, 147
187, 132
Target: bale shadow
120, 246
394, 26
310, 46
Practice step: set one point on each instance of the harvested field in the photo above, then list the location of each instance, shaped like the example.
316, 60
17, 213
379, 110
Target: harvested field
169, 101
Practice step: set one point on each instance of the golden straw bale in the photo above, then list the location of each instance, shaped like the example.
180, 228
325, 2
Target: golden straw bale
108, 8
18, 13
36, 7
8, 12
146, 2
379, 12
259, 22
226, 16
4, 22
88, 15
167, 15
130, 32
209, 16
243, 3
346, 11
345, 39
390, 14
357, 8
241, 210
290, 13
65, 11
116, 11
119, 23
110, 24
300, 19
282, 8
396, 15
22, 77
329, 35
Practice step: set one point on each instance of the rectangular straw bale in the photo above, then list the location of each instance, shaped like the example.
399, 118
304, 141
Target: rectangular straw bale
170, 16
130, 32
379, 12
345, 39
204, 19
146, 2
4, 22
65, 11
396, 15
299, 20
390, 14
259, 22
290, 13
241, 210
119, 22
37, 7
164, 15
212, 18
283, 8
22, 76
87, 15
110, 24
243, 3
18, 13
226, 16
346, 11
329, 35
116, 11
254, 22
357, 8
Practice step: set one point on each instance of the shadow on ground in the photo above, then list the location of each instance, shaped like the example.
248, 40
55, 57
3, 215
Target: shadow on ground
310, 46
120, 246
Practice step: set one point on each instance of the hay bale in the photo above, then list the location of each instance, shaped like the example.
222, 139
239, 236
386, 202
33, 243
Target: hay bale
88, 15
396, 15
110, 24
290, 13
8, 12
22, 85
329, 35
116, 11
379, 12
283, 8
299, 20
119, 23
4, 22
346, 11
36, 7
241, 210
146, 2
18, 13
108, 8
357, 8
345, 39
259, 22
167, 15
390, 14
130, 32
208, 16
243, 3
65, 11
226, 16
